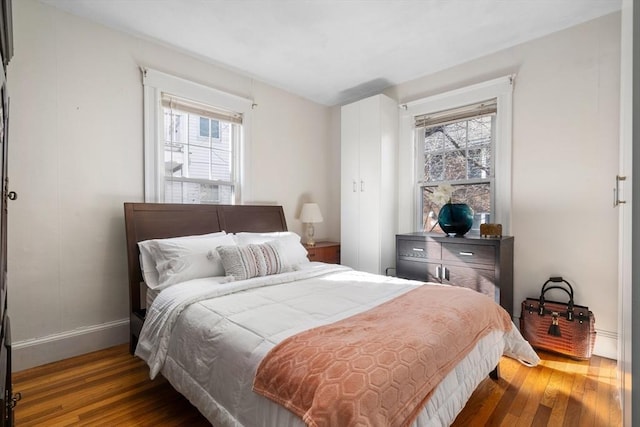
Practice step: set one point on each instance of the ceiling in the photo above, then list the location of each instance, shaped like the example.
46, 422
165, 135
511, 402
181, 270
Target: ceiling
337, 51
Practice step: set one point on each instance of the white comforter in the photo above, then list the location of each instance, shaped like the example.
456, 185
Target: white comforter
207, 337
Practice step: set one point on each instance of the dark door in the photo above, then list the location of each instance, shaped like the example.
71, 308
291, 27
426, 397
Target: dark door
6, 51
5, 349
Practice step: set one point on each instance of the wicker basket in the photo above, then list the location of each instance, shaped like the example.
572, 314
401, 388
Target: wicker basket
563, 328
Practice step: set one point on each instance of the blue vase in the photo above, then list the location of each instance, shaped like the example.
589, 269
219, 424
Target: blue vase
455, 218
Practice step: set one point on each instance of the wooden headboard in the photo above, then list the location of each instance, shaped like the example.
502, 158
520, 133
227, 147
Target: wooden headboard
144, 221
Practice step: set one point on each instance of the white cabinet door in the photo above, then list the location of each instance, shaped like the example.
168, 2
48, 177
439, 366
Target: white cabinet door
349, 191
369, 228
366, 214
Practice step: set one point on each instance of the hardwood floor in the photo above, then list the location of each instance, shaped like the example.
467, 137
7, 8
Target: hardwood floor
110, 387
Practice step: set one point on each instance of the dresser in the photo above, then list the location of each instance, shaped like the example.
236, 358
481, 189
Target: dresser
328, 252
484, 264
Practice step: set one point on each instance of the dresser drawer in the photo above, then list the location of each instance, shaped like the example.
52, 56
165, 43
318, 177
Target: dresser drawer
475, 254
417, 249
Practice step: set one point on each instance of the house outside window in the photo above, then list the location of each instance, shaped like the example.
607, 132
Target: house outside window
195, 141
199, 161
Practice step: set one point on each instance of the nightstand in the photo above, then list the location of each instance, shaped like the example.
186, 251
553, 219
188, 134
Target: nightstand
328, 252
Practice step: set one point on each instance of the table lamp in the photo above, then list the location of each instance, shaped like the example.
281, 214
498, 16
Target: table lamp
309, 215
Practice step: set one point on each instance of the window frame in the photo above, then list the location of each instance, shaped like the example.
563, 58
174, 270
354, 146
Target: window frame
154, 84
502, 90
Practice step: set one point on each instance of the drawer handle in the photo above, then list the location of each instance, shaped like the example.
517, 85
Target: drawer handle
417, 249
466, 253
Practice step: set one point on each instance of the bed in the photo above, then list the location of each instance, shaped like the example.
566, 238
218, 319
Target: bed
253, 346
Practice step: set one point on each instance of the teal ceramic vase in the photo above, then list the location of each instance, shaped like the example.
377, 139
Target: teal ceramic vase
455, 218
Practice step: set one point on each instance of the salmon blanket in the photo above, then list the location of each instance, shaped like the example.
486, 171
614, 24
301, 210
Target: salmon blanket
379, 367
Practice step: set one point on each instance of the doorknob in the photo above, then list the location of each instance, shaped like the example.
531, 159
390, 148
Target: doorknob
12, 195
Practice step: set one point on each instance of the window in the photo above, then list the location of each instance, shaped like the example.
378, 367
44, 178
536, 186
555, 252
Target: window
194, 140
199, 163
204, 126
456, 148
207, 125
461, 138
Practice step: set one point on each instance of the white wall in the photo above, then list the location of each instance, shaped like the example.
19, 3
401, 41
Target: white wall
565, 158
76, 154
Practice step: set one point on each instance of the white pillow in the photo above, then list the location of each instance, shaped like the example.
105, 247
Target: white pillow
152, 254
148, 265
288, 244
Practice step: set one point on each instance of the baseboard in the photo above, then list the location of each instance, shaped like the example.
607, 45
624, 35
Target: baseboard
39, 351
606, 344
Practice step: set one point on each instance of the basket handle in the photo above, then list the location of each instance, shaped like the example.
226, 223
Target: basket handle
545, 288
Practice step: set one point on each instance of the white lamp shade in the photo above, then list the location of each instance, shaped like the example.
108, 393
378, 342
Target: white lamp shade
310, 213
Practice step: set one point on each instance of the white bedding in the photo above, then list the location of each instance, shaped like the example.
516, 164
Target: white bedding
207, 338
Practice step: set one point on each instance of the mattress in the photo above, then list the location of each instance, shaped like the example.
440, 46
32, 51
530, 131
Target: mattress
207, 337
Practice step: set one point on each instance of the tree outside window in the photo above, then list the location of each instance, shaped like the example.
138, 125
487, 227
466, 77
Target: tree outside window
458, 153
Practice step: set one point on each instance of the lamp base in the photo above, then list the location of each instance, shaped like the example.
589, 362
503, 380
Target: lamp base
310, 232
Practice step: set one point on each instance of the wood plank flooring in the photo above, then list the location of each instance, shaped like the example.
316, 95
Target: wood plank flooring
111, 387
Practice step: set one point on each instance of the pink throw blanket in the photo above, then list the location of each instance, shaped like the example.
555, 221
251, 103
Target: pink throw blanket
379, 367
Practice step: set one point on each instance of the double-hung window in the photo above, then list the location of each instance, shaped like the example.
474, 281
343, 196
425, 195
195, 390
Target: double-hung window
456, 148
462, 138
199, 147
194, 140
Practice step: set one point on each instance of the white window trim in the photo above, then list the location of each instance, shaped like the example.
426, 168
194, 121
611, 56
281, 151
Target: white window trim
155, 83
501, 89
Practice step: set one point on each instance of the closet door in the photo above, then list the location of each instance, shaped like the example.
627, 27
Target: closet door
349, 191
369, 146
369, 185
